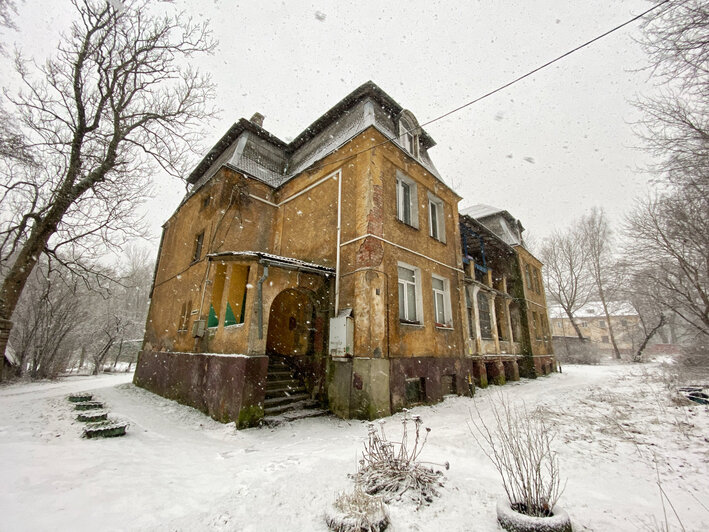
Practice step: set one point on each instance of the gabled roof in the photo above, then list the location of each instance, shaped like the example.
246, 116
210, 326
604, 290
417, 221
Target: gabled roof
367, 90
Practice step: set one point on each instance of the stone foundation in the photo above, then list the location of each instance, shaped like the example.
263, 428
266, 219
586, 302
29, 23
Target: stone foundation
226, 387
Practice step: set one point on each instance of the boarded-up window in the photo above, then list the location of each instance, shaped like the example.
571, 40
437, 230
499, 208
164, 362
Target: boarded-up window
448, 386
415, 390
236, 298
215, 306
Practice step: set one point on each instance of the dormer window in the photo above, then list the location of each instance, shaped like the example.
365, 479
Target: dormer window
409, 133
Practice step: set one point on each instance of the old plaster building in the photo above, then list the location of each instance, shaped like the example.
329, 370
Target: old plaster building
332, 268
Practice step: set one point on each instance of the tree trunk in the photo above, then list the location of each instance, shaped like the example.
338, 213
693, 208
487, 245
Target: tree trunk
120, 348
638, 357
610, 326
574, 324
16, 279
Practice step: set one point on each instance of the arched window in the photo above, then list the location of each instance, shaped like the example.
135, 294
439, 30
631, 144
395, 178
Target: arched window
409, 133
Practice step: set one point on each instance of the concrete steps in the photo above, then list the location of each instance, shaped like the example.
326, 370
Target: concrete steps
285, 394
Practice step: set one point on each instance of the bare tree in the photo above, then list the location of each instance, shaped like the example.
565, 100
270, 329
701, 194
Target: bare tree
669, 231
51, 311
669, 235
564, 255
597, 242
676, 124
118, 100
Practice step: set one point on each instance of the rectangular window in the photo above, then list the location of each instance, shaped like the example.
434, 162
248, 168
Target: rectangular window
409, 288
536, 323
583, 324
539, 280
215, 305
528, 277
441, 301
236, 297
198, 241
605, 339
437, 228
406, 200
415, 390
602, 324
484, 316
469, 304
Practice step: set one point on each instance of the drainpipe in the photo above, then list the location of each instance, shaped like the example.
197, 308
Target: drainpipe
339, 233
259, 301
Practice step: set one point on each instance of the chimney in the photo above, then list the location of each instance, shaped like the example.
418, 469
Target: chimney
257, 119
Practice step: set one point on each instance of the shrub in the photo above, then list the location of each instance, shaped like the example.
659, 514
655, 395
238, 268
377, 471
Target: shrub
520, 448
358, 512
392, 469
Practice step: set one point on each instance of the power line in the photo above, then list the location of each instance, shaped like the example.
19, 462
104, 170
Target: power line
508, 84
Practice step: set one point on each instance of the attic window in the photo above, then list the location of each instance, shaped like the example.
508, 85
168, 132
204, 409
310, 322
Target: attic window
408, 137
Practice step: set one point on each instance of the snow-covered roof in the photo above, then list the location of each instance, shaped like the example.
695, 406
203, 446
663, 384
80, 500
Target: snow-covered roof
275, 162
480, 210
268, 257
594, 309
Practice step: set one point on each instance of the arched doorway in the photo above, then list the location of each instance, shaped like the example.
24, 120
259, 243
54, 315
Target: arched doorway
291, 324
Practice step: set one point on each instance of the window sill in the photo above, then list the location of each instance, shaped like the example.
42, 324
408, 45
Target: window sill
444, 327
416, 324
410, 226
233, 326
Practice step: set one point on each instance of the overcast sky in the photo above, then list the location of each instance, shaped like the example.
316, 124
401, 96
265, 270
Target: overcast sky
546, 149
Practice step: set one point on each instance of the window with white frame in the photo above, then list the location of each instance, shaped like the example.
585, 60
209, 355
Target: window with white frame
441, 301
436, 225
408, 134
406, 200
409, 294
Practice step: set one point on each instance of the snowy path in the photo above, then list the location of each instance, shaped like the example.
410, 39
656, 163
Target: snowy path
179, 470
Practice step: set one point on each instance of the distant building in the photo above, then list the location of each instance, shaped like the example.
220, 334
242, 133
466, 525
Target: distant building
332, 268
593, 325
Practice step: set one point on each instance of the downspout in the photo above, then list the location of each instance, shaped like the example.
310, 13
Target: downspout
259, 301
339, 234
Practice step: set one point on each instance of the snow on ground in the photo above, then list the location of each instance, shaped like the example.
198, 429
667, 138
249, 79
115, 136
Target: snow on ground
179, 470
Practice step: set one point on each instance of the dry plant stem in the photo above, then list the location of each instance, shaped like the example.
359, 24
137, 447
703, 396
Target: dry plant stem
391, 469
520, 448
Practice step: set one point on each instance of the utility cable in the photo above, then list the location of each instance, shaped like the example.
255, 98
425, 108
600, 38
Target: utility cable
506, 85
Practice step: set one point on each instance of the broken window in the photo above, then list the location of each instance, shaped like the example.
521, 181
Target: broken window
441, 301
215, 305
406, 200
409, 286
198, 241
484, 316
236, 297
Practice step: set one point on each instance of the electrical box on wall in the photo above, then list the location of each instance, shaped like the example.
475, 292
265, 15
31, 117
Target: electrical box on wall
198, 328
342, 334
